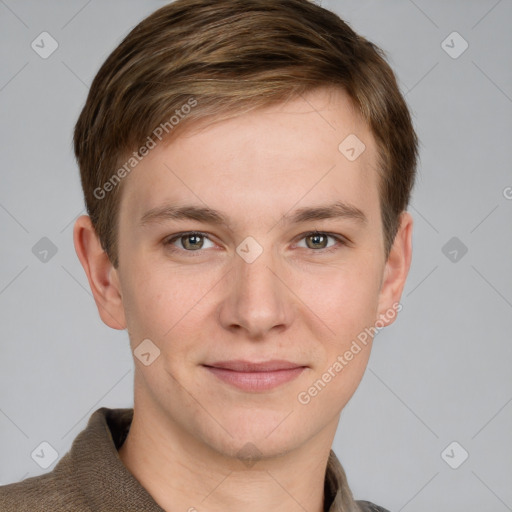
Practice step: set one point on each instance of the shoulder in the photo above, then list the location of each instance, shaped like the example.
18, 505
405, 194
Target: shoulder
40, 493
366, 506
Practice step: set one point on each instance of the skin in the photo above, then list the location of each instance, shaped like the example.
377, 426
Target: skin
295, 302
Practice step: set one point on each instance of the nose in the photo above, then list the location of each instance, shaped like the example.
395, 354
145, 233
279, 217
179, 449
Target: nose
257, 299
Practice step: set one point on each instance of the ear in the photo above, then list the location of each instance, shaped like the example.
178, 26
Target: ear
102, 276
396, 270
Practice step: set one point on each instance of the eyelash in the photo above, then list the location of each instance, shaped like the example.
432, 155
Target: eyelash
341, 241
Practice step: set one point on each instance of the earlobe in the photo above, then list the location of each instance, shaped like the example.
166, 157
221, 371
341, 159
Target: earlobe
102, 276
396, 270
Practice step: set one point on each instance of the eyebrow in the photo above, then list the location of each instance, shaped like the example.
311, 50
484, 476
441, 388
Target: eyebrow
337, 210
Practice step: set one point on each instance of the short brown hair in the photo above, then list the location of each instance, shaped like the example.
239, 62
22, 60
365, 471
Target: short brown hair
229, 57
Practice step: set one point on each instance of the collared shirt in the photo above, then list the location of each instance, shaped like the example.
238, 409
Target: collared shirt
91, 477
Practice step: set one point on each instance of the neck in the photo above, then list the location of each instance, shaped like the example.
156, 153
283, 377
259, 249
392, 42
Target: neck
182, 473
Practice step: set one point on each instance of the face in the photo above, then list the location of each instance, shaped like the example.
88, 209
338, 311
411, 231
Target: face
247, 241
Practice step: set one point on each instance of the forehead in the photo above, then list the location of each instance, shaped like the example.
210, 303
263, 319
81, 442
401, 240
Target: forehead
311, 149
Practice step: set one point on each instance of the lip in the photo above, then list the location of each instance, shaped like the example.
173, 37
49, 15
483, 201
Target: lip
253, 377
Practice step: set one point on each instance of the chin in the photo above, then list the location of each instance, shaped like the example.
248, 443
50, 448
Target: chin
259, 435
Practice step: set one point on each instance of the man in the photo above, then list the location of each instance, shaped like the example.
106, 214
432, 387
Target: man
246, 166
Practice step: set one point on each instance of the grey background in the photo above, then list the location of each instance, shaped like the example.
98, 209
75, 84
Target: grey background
441, 373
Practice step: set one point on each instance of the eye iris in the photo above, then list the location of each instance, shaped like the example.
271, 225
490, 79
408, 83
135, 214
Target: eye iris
190, 241
317, 239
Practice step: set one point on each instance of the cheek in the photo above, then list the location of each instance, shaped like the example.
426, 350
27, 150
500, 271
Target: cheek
333, 385
346, 298
352, 303
163, 301
147, 303
347, 303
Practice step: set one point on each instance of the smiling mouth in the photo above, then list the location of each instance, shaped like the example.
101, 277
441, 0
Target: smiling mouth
253, 377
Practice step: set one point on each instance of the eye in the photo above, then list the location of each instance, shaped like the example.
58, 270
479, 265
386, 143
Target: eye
194, 241
190, 241
318, 241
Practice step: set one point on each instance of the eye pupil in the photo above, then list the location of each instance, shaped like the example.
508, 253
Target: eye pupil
190, 241
317, 239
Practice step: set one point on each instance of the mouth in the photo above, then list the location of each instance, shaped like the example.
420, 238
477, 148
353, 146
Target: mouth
254, 377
